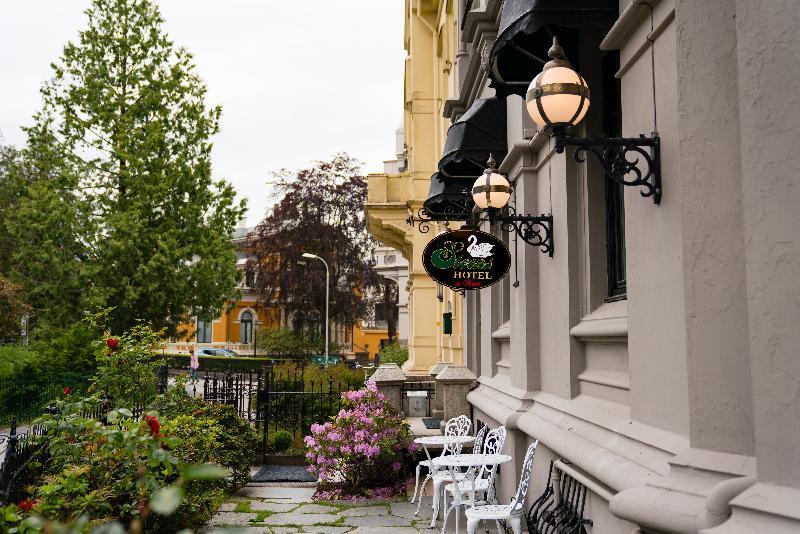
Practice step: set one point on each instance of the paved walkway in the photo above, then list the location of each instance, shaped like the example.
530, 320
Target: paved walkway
288, 508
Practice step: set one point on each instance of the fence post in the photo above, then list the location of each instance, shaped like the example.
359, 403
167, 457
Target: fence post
436, 404
269, 376
389, 379
456, 382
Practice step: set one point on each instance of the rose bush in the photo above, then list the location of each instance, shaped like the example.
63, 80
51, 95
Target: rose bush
362, 450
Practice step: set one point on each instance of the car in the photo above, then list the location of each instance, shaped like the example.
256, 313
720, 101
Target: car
218, 352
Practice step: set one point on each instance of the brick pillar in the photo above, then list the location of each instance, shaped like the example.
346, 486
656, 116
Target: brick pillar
437, 410
456, 382
389, 379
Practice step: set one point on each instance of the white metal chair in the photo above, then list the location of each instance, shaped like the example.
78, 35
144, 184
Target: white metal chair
484, 479
511, 513
457, 426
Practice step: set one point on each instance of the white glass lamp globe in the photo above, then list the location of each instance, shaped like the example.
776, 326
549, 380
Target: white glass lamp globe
558, 97
491, 190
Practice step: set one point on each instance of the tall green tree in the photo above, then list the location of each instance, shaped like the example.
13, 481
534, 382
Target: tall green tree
123, 211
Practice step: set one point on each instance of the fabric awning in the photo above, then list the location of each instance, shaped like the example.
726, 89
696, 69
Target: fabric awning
450, 199
480, 132
526, 33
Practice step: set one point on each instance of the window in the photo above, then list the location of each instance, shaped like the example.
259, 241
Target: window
249, 279
203, 331
615, 206
246, 327
380, 313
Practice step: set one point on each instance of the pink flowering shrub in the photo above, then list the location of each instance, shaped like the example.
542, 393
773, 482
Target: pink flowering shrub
361, 451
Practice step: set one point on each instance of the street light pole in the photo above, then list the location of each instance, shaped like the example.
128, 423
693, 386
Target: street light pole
327, 299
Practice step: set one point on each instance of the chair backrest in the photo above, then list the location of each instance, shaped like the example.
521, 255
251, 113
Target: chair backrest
492, 444
457, 426
518, 501
477, 445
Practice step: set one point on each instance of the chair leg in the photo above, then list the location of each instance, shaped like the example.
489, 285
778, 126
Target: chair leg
516, 523
500, 528
437, 485
472, 525
416, 483
421, 491
444, 499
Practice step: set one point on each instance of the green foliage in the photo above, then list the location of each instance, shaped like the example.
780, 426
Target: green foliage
127, 366
282, 441
12, 308
234, 441
122, 209
287, 342
394, 353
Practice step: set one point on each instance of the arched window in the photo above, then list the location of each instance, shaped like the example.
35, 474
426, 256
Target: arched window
246, 327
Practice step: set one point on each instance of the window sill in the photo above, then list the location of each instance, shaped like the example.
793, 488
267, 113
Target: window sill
608, 323
503, 332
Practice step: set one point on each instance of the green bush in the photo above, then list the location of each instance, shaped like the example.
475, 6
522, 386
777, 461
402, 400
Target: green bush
394, 353
282, 441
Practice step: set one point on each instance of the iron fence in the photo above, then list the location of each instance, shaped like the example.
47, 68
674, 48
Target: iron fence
24, 400
275, 400
559, 509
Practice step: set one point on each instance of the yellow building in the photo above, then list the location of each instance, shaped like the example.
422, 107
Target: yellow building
430, 41
237, 326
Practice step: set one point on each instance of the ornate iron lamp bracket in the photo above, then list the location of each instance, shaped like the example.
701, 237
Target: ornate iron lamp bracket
536, 230
422, 219
612, 152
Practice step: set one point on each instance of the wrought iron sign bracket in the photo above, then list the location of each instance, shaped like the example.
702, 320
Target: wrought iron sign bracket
613, 155
535, 230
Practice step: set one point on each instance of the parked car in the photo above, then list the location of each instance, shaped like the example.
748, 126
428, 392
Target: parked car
218, 352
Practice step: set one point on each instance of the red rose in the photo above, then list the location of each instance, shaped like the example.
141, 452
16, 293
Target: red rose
154, 425
112, 343
67, 390
26, 505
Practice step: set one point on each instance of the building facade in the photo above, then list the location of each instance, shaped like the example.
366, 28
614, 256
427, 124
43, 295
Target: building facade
655, 352
431, 43
240, 321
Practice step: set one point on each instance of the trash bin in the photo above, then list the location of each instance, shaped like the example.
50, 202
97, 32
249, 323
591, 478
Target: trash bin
417, 403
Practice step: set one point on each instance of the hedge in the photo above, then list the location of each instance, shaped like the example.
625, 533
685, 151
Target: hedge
226, 363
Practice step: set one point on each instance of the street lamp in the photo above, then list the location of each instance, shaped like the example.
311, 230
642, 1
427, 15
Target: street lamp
327, 297
557, 100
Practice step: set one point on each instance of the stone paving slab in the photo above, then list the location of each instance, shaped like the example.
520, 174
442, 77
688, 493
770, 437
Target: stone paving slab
232, 519
292, 518
364, 510
317, 509
277, 493
289, 509
377, 521
270, 506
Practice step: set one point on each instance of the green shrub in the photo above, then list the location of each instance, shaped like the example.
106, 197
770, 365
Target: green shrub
282, 441
394, 353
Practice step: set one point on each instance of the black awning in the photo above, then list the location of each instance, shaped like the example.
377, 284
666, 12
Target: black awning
450, 199
526, 33
480, 132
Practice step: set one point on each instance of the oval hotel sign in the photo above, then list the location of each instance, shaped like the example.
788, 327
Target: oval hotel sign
466, 259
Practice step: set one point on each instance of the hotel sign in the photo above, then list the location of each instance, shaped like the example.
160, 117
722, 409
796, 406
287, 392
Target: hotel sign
466, 259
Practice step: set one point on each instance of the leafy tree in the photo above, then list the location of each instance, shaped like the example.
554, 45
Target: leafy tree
123, 211
12, 308
320, 211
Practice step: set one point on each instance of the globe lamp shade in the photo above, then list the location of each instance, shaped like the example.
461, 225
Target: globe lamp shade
558, 97
491, 190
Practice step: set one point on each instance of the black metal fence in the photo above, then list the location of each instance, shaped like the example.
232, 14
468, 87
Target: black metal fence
24, 400
559, 509
275, 400
18, 450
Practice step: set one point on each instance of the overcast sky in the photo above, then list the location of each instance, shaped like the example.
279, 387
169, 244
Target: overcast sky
297, 80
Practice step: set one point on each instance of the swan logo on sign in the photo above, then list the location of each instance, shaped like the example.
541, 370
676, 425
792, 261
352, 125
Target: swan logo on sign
466, 259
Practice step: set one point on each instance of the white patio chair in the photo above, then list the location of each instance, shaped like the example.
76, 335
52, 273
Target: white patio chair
484, 478
511, 513
457, 426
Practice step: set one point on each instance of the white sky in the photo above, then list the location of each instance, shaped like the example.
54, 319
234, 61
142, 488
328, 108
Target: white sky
297, 80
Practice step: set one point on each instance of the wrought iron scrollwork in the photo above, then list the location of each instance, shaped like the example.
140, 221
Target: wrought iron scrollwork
613, 152
536, 230
422, 220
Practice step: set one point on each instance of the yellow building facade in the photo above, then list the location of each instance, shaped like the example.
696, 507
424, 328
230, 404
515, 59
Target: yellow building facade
430, 41
238, 325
